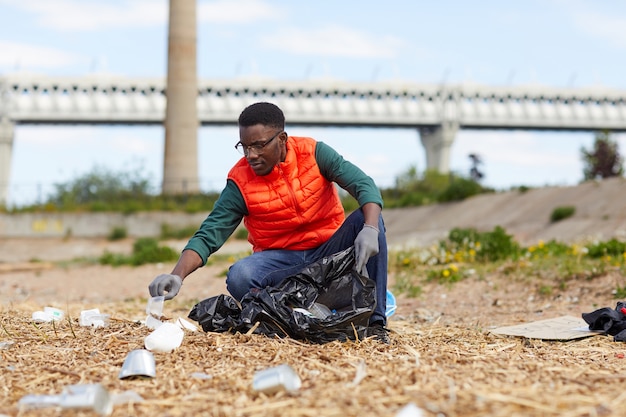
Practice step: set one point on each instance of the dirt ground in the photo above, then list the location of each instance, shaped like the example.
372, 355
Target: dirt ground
49, 272
600, 214
442, 356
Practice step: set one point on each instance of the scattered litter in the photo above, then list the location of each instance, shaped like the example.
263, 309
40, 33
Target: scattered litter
560, 328
154, 309
47, 315
165, 338
126, 397
391, 304
7, 344
155, 306
93, 318
609, 321
138, 363
186, 325
152, 323
361, 373
84, 396
201, 375
271, 380
317, 310
410, 410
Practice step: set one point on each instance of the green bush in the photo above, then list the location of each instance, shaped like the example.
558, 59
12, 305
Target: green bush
488, 246
145, 250
169, 232
118, 233
462, 237
497, 245
460, 189
611, 247
561, 213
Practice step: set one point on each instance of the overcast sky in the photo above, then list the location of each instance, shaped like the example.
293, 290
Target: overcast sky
540, 42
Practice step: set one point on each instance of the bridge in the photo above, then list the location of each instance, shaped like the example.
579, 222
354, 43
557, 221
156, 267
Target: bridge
437, 112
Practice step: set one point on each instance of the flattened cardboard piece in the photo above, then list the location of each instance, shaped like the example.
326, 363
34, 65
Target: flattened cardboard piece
560, 328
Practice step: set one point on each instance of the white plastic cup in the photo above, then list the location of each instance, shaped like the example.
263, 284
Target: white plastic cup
155, 306
47, 315
55, 313
152, 323
271, 380
93, 318
164, 338
320, 311
88, 396
41, 317
138, 363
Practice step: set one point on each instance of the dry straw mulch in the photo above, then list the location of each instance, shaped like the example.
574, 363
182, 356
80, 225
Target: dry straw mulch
445, 370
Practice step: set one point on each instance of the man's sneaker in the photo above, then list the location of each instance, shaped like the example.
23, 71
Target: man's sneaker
379, 331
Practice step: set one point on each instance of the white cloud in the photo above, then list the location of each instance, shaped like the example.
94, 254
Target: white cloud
241, 11
603, 25
77, 15
122, 141
20, 55
80, 15
334, 41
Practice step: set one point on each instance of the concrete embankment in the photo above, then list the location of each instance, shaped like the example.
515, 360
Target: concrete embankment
93, 225
600, 213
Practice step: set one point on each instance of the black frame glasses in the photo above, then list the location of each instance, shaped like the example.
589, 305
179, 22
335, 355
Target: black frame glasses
258, 148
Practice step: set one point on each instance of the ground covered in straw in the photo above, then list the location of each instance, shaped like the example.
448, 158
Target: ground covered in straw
442, 357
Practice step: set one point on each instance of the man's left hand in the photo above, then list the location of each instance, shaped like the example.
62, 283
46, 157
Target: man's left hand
365, 246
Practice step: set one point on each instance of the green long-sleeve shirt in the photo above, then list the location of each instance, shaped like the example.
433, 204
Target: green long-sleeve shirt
230, 207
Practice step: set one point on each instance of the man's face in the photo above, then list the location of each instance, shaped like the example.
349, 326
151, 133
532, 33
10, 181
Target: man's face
264, 147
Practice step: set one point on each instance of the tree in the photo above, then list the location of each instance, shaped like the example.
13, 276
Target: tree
101, 184
604, 160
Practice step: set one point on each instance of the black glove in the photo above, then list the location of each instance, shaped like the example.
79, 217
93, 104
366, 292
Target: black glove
165, 283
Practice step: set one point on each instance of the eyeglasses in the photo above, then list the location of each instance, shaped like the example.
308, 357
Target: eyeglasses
258, 148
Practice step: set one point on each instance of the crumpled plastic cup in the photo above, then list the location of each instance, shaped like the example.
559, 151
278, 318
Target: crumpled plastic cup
138, 362
93, 318
164, 338
81, 396
155, 306
47, 315
271, 380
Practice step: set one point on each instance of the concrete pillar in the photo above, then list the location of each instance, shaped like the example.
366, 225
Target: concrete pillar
180, 162
6, 147
437, 142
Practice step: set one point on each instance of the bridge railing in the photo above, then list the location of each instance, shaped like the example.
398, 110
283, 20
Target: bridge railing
32, 99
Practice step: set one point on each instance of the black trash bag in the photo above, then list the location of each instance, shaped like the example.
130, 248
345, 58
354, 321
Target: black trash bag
331, 285
608, 320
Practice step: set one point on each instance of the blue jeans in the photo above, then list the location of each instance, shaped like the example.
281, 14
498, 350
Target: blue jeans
270, 267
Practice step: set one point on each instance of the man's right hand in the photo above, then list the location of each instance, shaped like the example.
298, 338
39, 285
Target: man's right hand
165, 284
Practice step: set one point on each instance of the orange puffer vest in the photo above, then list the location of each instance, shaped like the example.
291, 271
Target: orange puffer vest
293, 207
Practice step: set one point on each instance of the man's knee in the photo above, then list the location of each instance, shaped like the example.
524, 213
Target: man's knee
240, 279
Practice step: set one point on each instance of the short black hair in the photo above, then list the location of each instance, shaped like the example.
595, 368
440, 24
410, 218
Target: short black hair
266, 114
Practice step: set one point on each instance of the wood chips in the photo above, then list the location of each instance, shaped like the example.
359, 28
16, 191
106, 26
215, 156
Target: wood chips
446, 370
